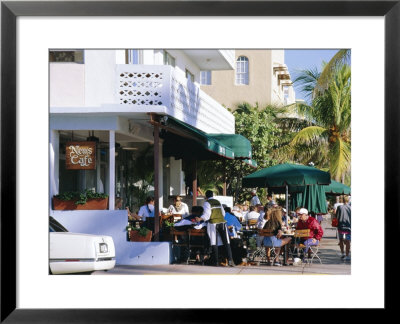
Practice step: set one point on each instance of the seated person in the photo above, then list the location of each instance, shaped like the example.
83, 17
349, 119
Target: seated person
252, 214
236, 212
178, 207
232, 222
187, 223
284, 216
118, 206
190, 220
147, 210
244, 210
307, 222
275, 225
262, 219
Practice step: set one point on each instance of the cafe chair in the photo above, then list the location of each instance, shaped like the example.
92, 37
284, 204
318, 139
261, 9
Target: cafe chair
193, 240
268, 251
299, 235
252, 223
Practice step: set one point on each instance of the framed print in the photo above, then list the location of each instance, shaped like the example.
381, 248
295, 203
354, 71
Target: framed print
30, 28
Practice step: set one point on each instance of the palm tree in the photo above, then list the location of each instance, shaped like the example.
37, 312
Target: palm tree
329, 115
340, 58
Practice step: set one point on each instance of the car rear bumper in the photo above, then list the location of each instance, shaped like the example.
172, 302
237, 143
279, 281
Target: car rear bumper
83, 265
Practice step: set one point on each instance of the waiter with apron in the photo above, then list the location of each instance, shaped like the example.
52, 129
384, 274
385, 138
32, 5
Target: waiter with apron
214, 214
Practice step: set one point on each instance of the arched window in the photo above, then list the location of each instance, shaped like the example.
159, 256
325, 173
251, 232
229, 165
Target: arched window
242, 70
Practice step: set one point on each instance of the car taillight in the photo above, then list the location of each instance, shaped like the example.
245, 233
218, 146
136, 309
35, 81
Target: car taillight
103, 248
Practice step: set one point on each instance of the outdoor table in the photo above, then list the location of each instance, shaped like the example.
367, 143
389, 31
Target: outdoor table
285, 247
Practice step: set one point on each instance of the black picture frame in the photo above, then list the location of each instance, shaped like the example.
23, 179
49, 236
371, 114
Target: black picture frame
10, 10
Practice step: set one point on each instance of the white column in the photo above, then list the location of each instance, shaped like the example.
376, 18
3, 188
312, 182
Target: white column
111, 172
160, 176
176, 178
99, 184
54, 163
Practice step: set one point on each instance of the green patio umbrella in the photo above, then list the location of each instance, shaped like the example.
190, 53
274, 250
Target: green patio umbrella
337, 188
287, 175
310, 197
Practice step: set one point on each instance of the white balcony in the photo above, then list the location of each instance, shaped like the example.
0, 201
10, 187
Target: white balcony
159, 88
212, 59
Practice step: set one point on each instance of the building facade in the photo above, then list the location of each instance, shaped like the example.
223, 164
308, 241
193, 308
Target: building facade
259, 76
131, 104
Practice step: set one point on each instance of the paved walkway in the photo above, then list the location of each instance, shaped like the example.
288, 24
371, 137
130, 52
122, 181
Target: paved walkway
329, 254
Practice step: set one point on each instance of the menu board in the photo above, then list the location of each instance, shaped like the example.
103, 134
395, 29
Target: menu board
80, 155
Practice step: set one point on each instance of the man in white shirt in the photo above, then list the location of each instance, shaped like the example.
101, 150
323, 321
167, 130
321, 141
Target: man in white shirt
252, 214
147, 210
254, 199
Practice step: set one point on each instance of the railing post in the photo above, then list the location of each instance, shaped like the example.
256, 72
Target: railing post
156, 182
194, 183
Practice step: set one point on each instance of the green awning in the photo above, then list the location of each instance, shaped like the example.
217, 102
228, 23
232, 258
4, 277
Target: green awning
251, 162
240, 145
184, 141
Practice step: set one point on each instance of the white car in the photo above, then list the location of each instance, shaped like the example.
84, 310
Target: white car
76, 253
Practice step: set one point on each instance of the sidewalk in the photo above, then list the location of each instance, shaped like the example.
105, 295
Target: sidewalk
329, 254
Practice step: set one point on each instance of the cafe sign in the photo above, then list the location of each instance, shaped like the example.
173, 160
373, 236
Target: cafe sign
80, 155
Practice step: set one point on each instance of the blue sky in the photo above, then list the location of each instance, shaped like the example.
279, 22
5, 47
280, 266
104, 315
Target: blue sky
305, 59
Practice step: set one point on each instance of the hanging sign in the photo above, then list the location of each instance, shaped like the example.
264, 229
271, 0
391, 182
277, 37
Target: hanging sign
80, 155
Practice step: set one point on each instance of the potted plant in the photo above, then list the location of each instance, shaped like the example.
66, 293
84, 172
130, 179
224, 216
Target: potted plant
141, 234
167, 230
86, 200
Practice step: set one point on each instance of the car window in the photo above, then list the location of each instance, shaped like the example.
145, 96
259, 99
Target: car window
55, 226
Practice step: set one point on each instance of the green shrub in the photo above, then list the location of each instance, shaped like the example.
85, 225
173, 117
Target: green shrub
80, 197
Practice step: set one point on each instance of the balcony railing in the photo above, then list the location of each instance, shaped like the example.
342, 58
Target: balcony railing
160, 85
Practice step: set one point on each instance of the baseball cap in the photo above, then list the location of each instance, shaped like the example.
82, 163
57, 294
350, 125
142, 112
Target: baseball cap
253, 191
303, 211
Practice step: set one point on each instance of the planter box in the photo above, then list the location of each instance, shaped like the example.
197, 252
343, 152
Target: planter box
134, 236
91, 204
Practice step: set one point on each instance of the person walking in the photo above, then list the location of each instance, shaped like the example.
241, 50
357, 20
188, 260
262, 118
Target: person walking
214, 214
343, 215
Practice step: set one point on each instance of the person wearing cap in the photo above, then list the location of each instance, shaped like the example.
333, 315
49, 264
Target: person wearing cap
307, 222
214, 214
179, 207
254, 199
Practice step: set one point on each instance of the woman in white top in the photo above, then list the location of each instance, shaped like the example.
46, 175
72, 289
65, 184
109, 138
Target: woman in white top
179, 207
